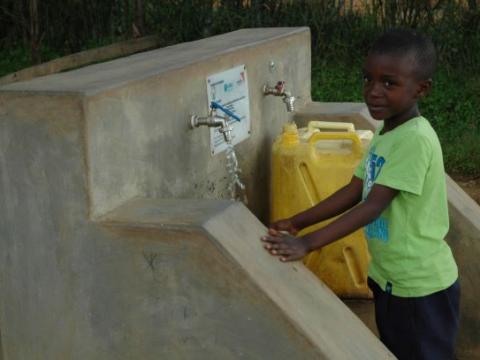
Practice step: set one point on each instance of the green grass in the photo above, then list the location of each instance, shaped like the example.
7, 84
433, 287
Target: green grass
12, 60
18, 58
334, 81
452, 107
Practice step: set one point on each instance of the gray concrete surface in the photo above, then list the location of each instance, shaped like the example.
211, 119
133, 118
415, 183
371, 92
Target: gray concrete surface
463, 237
135, 112
293, 292
88, 270
190, 300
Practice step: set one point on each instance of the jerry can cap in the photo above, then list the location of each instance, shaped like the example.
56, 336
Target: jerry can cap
290, 134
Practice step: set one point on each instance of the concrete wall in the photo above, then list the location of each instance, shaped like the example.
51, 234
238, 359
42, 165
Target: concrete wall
136, 111
78, 281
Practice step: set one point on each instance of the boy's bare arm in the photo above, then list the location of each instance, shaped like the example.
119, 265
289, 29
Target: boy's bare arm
378, 199
342, 200
291, 248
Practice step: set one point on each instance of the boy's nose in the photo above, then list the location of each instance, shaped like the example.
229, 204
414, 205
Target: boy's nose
374, 90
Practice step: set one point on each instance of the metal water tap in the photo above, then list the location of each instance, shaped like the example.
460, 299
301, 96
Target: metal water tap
214, 120
279, 90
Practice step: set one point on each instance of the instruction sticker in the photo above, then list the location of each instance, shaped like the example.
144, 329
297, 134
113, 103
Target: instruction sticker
230, 90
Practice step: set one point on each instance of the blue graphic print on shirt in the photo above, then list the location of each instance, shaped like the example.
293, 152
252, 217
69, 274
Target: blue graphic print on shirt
378, 229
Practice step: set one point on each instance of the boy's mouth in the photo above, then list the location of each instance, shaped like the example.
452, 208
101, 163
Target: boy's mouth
375, 107
377, 111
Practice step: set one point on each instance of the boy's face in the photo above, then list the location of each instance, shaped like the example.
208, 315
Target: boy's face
391, 89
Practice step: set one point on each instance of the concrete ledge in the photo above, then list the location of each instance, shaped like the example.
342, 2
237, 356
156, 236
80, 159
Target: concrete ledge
463, 203
112, 74
83, 58
356, 113
464, 238
172, 214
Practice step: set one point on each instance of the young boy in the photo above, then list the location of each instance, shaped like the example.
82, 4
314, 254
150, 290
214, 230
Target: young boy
398, 193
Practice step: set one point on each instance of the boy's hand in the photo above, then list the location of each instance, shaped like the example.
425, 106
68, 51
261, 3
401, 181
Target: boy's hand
286, 246
282, 225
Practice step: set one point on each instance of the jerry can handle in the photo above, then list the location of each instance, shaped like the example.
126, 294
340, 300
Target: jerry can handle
356, 143
330, 125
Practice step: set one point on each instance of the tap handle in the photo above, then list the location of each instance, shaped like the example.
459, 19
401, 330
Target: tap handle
280, 87
214, 105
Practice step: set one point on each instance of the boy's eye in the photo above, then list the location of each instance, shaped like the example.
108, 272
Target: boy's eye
388, 83
366, 79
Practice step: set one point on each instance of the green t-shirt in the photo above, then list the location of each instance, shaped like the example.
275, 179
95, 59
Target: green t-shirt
410, 257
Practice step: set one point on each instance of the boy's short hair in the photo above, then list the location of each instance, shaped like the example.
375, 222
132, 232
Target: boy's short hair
406, 41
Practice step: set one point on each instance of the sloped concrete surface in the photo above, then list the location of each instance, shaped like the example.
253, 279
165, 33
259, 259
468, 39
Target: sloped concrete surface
186, 297
315, 312
310, 305
464, 238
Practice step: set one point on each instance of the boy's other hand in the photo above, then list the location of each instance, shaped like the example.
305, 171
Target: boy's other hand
282, 225
286, 246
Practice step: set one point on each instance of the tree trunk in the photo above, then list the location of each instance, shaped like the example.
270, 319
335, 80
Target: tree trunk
127, 20
140, 16
34, 33
472, 5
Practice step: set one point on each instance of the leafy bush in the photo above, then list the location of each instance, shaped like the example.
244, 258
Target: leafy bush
452, 108
17, 58
14, 59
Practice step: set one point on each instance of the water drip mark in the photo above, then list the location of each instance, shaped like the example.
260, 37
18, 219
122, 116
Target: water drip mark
150, 259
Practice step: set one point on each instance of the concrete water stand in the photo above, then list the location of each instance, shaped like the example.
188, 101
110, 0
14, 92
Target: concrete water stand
115, 243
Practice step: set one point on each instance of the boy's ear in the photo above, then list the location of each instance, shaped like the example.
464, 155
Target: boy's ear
424, 87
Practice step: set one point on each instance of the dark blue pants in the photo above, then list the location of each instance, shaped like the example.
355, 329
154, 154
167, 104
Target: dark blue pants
418, 328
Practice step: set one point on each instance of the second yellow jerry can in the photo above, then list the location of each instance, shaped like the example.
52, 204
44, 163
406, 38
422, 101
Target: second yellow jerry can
308, 165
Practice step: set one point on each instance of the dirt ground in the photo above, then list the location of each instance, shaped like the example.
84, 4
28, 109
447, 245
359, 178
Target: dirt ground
470, 185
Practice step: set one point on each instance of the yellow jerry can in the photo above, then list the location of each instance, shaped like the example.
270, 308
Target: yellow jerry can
308, 165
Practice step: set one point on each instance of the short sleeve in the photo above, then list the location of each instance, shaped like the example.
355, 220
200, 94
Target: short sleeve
360, 169
407, 165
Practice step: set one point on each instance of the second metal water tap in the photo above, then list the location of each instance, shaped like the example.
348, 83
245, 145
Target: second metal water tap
279, 90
